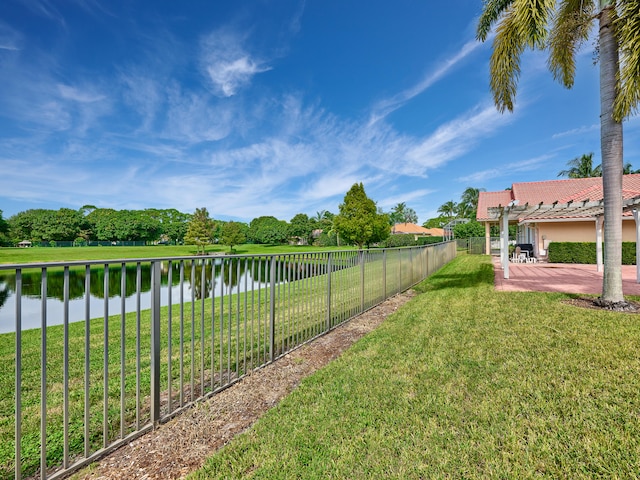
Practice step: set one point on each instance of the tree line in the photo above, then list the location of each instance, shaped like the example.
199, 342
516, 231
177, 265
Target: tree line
90, 223
359, 222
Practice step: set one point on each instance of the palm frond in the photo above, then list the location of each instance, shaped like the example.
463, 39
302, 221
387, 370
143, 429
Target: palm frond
504, 65
491, 12
532, 19
570, 30
627, 28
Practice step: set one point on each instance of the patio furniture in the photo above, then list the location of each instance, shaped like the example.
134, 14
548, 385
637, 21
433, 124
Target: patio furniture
518, 256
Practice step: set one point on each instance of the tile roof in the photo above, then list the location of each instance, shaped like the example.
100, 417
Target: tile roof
435, 232
409, 228
555, 191
492, 199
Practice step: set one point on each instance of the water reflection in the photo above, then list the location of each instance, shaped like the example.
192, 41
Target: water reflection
201, 277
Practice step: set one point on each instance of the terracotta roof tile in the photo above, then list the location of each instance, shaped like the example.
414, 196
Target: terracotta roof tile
492, 199
435, 232
560, 191
409, 228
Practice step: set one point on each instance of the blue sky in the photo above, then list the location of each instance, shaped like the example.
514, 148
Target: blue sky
272, 107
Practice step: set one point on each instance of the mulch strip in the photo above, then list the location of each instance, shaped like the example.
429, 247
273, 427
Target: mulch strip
183, 444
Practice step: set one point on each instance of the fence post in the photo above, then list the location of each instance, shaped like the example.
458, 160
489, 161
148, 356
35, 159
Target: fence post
411, 276
18, 347
155, 342
384, 274
329, 269
361, 280
272, 308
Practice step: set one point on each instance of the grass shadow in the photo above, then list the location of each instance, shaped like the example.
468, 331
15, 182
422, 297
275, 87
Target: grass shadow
482, 275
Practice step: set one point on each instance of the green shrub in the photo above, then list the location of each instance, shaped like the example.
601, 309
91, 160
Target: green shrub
399, 240
585, 252
429, 240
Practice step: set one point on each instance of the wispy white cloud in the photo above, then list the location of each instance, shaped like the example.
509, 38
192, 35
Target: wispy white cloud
10, 38
507, 170
386, 106
46, 9
75, 94
296, 21
406, 196
576, 131
190, 117
454, 139
310, 154
227, 63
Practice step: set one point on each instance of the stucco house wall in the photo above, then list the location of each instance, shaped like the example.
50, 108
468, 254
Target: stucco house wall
540, 232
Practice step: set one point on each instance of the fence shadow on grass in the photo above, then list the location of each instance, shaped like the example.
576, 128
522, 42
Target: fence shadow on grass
482, 275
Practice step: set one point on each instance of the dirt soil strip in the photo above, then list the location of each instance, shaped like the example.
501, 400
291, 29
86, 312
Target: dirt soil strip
183, 444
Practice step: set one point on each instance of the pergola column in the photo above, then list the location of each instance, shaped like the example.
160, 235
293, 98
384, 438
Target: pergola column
487, 238
504, 243
636, 217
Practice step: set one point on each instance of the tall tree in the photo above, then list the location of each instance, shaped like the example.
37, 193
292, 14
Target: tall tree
4, 230
561, 27
359, 222
301, 227
582, 167
268, 230
232, 234
200, 230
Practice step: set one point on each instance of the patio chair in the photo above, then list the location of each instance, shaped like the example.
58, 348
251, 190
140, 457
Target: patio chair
518, 256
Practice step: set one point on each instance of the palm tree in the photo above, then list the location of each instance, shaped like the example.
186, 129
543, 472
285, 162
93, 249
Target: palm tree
469, 202
582, 167
402, 214
448, 209
562, 27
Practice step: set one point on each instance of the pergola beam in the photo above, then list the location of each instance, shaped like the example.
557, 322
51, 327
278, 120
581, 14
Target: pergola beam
580, 210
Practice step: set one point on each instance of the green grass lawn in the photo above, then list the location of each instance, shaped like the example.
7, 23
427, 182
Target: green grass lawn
61, 254
461, 382
229, 344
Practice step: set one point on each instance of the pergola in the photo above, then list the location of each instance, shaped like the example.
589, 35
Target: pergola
582, 210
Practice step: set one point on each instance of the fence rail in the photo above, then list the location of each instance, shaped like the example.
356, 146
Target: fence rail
478, 245
123, 345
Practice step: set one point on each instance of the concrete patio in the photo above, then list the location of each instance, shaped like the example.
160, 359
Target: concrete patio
559, 277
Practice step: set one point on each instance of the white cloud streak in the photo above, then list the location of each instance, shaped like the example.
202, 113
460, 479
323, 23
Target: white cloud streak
507, 170
576, 131
227, 64
387, 106
454, 139
72, 93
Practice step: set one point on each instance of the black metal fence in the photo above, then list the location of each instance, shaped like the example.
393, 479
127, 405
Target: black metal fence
99, 352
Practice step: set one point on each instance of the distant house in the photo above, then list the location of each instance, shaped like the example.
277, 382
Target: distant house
435, 232
416, 230
556, 210
24, 244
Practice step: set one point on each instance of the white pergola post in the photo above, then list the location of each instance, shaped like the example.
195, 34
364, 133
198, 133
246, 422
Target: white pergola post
636, 217
504, 243
599, 224
487, 238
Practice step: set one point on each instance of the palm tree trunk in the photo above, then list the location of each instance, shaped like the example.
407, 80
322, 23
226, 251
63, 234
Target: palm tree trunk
611, 144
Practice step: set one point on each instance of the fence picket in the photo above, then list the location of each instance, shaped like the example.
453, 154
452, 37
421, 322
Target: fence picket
124, 374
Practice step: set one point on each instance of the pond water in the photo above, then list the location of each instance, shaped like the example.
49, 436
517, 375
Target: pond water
224, 276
